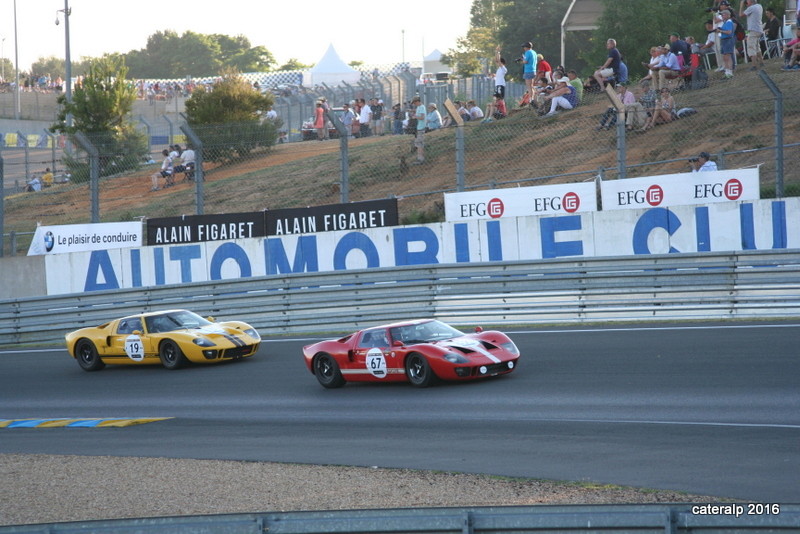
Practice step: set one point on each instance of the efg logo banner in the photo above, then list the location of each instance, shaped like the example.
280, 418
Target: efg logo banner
521, 202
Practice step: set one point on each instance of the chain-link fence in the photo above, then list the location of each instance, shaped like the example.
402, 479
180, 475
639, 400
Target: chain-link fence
750, 120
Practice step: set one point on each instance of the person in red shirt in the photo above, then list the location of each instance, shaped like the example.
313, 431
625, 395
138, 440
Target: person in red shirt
544, 70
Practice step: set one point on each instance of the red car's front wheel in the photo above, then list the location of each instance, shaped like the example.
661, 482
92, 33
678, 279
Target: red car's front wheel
419, 371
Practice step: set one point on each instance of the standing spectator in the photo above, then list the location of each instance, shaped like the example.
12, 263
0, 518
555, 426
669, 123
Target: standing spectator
433, 120
727, 39
419, 140
611, 66
165, 172
397, 119
773, 31
755, 30
563, 96
377, 116
528, 61
364, 119
500, 74
347, 119
575, 82
475, 112
319, 121
703, 163
355, 105
543, 69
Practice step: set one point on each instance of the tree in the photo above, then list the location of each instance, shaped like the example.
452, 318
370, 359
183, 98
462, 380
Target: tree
294, 64
100, 109
482, 37
228, 118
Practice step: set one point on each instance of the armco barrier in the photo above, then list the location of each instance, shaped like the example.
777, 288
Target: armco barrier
709, 285
640, 519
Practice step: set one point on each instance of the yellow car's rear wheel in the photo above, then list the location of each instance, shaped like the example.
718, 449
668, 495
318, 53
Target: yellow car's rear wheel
171, 355
86, 354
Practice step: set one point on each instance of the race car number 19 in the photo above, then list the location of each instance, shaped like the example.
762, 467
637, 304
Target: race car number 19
134, 348
376, 363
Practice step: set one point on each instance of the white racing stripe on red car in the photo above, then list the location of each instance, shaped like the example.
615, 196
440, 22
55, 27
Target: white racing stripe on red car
475, 345
389, 371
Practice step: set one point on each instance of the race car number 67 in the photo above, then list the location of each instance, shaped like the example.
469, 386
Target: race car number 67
134, 348
376, 363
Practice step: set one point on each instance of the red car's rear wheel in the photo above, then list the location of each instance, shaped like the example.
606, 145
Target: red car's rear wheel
327, 371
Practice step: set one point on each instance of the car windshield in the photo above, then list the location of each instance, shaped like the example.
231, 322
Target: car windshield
177, 320
424, 332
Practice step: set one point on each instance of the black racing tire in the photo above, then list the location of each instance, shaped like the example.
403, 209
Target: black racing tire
171, 355
419, 371
86, 354
327, 371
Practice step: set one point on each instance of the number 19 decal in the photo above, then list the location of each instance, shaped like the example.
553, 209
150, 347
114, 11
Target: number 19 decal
134, 348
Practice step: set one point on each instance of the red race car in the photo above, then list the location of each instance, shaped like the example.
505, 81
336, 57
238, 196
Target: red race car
417, 351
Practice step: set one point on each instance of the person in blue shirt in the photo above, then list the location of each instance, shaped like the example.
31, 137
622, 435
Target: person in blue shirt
611, 66
528, 60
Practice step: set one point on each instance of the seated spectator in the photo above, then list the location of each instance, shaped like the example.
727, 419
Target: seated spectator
165, 172
648, 98
662, 114
34, 185
462, 111
543, 69
47, 178
189, 162
496, 110
636, 113
667, 69
475, 112
709, 46
433, 119
655, 60
678, 46
773, 30
791, 53
563, 96
611, 66
575, 82
609, 118
540, 90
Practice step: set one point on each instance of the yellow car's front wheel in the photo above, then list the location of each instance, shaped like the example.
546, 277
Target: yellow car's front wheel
171, 355
86, 354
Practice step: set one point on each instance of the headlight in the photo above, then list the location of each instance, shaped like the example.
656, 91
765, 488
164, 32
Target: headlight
455, 358
203, 342
510, 347
252, 333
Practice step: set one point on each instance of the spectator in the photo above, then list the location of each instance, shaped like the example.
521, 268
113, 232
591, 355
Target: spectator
726, 33
755, 31
189, 161
648, 98
611, 66
165, 172
635, 111
271, 114
709, 46
463, 111
575, 82
496, 110
655, 60
433, 119
543, 69
791, 52
668, 69
703, 163
319, 121
528, 61
678, 46
540, 91
662, 112
377, 116
419, 140
47, 178
34, 185
500, 74
609, 118
773, 31
475, 112
563, 96
397, 119
364, 119
355, 105
347, 119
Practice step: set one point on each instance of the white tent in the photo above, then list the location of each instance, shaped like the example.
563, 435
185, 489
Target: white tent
433, 63
331, 70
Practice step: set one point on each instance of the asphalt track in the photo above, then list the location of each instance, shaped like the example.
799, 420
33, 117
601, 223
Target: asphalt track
707, 409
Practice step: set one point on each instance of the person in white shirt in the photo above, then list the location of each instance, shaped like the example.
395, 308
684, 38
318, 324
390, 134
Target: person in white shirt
703, 163
475, 112
755, 30
500, 75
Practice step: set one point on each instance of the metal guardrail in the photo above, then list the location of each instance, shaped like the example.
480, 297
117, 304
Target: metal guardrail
619, 519
754, 284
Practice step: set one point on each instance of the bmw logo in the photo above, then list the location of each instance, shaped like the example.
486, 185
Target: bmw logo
49, 241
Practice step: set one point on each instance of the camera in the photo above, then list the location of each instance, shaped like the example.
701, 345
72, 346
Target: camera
709, 10
518, 60
693, 160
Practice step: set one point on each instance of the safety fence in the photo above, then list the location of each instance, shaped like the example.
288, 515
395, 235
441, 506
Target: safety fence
727, 518
525, 148
746, 285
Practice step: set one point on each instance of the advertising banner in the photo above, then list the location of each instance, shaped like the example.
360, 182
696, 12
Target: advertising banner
333, 217
200, 228
83, 237
520, 201
680, 189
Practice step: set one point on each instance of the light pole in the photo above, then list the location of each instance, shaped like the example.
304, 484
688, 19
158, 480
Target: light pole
3, 59
16, 65
68, 62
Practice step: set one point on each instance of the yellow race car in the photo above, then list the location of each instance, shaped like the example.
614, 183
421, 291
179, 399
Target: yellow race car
171, 338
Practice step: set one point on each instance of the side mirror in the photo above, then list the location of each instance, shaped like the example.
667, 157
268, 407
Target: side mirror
137, 332
478, 329
211, 319
397, 343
